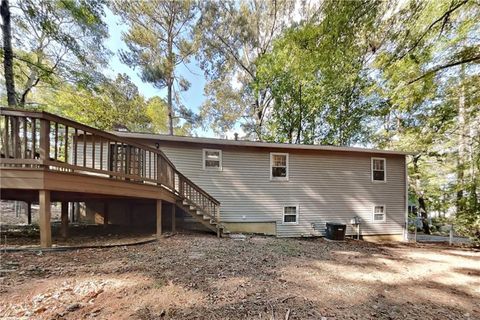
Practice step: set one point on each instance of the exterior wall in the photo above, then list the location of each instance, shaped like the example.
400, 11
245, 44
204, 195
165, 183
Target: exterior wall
327, 187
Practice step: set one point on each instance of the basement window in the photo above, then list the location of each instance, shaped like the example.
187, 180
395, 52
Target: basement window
379, 213
290, 215
212, 159
378, 170
279, 166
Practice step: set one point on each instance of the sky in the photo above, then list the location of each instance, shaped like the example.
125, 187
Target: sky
192, 99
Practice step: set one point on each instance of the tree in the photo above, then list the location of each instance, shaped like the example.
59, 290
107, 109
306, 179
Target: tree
56, 41
8, 53
112, 103
234, 34
158, 41
316, 77
429, 83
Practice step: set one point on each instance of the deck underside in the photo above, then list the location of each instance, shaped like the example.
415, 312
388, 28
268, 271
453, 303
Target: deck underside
38, 185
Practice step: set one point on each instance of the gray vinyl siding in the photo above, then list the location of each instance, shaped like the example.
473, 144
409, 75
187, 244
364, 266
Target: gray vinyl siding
327, 187
89, 159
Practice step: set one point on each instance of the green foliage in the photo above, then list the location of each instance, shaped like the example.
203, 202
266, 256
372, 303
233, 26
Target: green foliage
57, 41
316, 76
468, 224
429, 84
159, 39
232, 36
111, 104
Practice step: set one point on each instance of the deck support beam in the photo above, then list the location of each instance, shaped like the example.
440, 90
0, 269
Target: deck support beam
159, 218
44, 218
64, 220
173, 218
29, 213
105, 214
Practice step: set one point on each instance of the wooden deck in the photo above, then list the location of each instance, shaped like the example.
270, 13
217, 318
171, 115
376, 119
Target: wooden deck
46, 158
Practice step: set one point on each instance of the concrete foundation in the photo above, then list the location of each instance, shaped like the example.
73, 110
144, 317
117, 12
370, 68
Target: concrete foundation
266, 228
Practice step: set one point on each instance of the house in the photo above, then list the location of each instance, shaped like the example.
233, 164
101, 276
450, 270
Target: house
164, 182
291, 190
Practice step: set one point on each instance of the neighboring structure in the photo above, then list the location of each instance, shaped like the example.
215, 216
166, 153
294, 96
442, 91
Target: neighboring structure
293, 190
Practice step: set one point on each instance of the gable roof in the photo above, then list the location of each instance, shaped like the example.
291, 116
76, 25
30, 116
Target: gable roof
254, 144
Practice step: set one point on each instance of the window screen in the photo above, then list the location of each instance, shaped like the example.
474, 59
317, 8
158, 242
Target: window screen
212, 159
379, 214
378, 169
290, 214
279, 166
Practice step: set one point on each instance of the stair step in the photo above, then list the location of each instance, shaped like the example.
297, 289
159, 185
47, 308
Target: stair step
207, 220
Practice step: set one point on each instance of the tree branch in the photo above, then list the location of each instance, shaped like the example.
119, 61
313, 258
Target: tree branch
443, 17
445, 66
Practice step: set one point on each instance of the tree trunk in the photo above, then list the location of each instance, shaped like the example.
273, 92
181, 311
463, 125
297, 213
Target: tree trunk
461, 144
170, 110
423, 211
300, 112
422, 207
8, 53
171, 63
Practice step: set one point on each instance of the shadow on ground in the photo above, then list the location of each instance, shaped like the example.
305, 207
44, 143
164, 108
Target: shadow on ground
199, 276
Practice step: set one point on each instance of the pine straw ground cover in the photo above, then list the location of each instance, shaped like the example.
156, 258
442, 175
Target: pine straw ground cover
202, 277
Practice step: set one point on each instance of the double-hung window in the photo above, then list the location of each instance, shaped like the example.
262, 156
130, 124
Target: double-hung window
379, 170
279, 166
379, 213
212, 159
290, 215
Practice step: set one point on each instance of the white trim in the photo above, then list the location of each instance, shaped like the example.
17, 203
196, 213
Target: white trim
220, 166
384, 213
272, 178
297, 209
384, 170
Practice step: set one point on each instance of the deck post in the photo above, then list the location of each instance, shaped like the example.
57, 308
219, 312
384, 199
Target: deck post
64, 219
72, 209
29, 213
217, 215
159, 218
105, 214
44, 218
173, 217
44, 140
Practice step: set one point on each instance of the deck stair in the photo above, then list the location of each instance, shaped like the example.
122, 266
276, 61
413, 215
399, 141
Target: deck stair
202, 216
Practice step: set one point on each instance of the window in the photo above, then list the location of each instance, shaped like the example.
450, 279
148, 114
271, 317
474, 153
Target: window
212, 159
290, 214
278, 166
379, 214
378, 169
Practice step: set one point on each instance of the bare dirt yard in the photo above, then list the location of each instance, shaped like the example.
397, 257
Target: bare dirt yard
202, 277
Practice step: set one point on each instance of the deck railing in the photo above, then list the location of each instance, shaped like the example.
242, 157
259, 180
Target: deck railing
42, 140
